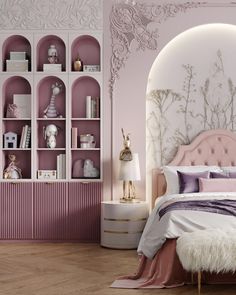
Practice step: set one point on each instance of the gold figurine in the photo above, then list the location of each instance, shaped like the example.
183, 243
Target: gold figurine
126, 154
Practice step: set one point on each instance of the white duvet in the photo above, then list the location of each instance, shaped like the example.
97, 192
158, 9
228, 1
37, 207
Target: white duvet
175, 223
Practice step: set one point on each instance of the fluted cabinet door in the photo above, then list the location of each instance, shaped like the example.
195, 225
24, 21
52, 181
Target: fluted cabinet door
50, 211
84, 210
16, 211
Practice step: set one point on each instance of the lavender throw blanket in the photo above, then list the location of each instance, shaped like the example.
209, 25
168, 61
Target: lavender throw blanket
225, 207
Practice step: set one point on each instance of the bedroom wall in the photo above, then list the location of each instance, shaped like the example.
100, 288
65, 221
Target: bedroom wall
138, 31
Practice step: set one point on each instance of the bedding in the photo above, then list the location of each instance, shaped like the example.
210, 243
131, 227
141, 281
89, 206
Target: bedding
176, 222
188, 182
171, 175
217, 185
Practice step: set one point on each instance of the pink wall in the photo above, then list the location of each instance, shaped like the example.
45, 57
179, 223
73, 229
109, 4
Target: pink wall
130, 88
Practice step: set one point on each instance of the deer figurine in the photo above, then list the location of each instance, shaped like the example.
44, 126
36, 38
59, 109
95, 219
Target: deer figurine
50, 111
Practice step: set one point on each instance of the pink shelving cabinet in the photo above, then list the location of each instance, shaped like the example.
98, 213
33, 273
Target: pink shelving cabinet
41, 208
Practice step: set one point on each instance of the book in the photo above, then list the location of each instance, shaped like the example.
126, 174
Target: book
52, 67
74, 134
24, 136
21, 137
27, 141
63, 160
58, 167
23, 102
61, 166
88, 106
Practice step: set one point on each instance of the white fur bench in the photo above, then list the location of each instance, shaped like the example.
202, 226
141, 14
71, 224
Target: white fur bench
211, 250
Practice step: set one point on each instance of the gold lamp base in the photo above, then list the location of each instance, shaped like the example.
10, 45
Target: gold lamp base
129, 200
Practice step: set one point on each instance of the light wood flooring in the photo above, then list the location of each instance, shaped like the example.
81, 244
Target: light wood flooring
75, 269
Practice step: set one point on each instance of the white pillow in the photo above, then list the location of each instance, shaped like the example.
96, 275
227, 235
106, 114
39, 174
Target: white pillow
229, 169
172, 179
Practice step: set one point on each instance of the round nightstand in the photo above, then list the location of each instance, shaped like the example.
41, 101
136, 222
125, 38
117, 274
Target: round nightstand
122, 224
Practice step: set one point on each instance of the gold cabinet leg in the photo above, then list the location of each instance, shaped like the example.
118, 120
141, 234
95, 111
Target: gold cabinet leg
199, 282
192, 277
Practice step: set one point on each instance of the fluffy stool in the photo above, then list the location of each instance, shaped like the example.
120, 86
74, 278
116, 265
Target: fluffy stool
211, 250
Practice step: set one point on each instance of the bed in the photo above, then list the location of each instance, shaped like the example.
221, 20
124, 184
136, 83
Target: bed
159, 265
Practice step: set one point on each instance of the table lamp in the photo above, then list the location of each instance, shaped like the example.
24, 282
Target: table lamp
129, 172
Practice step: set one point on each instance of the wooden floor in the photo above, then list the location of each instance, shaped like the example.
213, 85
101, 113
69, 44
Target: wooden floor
69, 269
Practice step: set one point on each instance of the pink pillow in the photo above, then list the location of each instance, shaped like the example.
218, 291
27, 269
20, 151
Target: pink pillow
217, 185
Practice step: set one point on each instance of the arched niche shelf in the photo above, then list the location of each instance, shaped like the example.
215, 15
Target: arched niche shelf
42, 51
44, 93
16, 43
14, 85
87, 48
82, 87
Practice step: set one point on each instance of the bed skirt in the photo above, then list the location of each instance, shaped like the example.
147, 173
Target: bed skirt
166, 271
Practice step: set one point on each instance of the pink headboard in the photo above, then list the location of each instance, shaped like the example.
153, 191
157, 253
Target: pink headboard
213, 147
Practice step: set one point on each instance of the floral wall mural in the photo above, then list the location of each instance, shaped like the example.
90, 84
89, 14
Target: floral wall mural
202, 100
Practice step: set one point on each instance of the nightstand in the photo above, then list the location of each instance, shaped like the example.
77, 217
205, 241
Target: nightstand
122, 224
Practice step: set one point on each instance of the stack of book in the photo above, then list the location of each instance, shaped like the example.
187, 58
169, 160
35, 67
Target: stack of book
92, 107
61, 166
25, 137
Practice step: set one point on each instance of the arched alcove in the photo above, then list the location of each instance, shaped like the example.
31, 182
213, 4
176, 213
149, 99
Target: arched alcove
14, 85
87, 48
191, 88
42, 51
16, 43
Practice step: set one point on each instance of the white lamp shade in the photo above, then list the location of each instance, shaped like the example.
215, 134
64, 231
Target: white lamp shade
129, 170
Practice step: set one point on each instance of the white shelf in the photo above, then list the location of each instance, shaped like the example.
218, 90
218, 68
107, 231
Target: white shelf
51, 119
85, 119
16, 149
48, 149
85, 149
16, 119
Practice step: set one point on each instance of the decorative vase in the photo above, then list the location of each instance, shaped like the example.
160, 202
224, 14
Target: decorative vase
52, 54
78, 65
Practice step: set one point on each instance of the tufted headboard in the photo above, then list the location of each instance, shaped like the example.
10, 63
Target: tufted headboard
213, 147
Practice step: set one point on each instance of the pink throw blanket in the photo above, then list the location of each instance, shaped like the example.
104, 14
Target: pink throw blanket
166, 271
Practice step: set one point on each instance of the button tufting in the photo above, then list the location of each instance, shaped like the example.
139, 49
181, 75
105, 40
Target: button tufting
206, 163
192, 163
199, 151
219, 138
232, 163
212, 151
219, 163
226, 151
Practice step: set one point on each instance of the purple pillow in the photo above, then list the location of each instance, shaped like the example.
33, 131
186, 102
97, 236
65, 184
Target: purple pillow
232, 174
188, 182
220, 175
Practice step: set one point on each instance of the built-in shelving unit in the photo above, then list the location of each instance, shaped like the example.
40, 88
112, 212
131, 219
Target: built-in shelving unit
26, 70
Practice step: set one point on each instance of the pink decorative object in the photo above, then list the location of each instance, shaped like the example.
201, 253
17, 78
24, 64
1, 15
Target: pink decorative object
78, 169
12, 111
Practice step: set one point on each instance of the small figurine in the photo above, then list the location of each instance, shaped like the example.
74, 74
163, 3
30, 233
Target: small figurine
12, 171
50, 111
52, 54
126, 154
50, 133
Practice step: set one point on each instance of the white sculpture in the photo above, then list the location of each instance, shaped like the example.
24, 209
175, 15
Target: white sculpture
89, 170
50, 133
50, 111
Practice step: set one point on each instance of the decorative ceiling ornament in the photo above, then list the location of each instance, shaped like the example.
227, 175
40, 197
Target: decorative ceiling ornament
129, 22
53, 14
